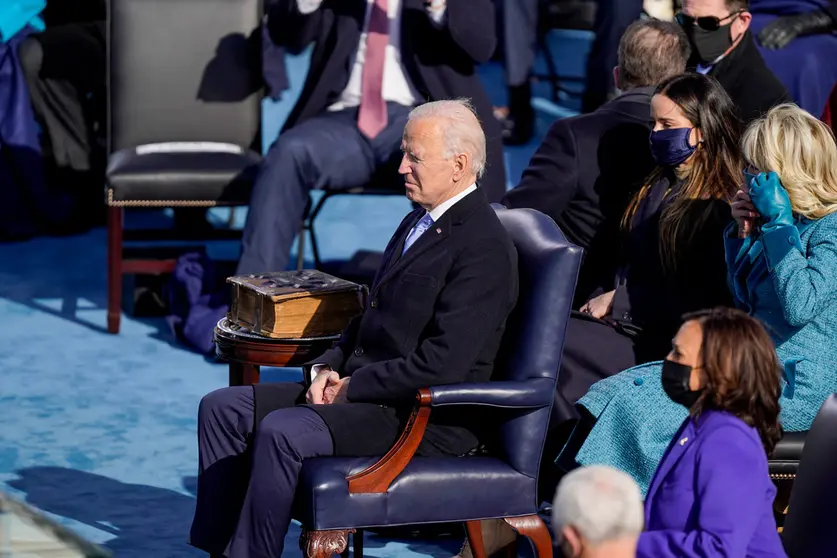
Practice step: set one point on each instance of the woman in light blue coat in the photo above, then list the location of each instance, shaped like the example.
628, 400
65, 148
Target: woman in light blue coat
782, 258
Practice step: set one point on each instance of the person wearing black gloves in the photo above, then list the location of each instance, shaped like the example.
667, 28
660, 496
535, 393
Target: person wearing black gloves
798, 42
723, 47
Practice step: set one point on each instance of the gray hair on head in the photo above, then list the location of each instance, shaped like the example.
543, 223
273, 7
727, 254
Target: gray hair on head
460, 127
602, 503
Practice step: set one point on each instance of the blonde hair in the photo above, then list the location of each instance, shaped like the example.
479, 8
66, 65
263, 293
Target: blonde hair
802, 151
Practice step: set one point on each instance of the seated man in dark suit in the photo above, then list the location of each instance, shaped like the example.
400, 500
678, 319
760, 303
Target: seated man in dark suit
373, 60
435, 315
585, 171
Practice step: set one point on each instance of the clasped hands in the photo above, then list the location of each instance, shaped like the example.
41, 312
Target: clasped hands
327, 388
764, 198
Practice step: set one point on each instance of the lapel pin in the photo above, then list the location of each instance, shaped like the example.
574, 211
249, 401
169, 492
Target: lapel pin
438, 231
683, 441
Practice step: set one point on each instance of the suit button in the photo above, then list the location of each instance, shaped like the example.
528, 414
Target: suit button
359, 351
374, 303
626, 316
791, 240
639, 382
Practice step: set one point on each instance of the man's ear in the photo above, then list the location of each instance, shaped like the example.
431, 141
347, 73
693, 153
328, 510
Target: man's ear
740, 25
461, 165
571, 542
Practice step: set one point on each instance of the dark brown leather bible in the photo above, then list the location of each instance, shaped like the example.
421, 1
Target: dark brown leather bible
294, 304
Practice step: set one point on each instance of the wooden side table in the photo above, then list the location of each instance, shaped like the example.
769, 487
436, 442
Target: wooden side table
246, 351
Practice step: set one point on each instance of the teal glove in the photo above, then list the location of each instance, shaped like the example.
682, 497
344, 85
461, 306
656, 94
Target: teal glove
771, 201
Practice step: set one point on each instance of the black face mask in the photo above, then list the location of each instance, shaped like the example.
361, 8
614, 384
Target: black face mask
710, 45
676, 383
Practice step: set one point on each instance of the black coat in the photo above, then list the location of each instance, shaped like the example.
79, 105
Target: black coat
440, 60
434, 316
654, 296
748, 81
583, 176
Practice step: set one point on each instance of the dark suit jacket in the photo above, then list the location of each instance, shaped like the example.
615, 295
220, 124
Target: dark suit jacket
583, 176
434, 316
440, 60
748, 81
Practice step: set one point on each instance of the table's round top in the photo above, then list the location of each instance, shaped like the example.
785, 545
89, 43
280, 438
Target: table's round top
226, 329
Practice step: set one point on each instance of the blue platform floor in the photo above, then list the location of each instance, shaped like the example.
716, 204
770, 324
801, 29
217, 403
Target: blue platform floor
99, 430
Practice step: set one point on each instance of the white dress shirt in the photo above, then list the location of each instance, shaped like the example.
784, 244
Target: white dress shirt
435, 214
396, 87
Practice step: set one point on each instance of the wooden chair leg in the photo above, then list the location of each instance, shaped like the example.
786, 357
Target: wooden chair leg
357, 545
532, 527
474, 530
324, 544
115, 228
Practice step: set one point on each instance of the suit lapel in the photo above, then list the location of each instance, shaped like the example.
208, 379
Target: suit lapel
682, 441
437, 232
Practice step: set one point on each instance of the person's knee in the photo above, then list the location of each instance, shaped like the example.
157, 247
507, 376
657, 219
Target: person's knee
289, 430
289, 148
219, 405
31, 55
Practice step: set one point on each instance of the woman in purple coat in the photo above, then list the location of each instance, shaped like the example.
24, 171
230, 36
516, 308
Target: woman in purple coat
711, 495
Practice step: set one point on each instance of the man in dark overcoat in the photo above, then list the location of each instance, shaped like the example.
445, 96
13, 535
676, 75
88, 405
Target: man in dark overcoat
723, 47
435, 315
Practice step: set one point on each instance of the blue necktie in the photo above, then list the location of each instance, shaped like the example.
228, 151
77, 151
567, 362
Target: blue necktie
417, 231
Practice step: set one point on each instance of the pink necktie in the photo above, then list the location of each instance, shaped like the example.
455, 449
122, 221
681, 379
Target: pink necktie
372, 115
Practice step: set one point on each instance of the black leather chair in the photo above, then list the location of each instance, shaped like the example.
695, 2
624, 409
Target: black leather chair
811, 523
184, 108
339, 496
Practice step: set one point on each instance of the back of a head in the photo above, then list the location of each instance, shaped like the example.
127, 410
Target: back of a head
650, 52
601, 503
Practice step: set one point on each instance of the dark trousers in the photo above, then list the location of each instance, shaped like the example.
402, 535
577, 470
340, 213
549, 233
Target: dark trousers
246, 481
327, 151
64, 66
612, 19
520, 39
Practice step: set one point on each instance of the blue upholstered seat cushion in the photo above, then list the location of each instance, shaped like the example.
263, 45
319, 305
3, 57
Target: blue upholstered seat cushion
430, 490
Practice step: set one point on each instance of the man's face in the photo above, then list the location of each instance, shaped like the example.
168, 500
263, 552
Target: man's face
738, 22
428, 175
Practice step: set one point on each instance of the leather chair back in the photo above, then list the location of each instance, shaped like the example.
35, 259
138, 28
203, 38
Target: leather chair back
534, 340
184, 71
812, 521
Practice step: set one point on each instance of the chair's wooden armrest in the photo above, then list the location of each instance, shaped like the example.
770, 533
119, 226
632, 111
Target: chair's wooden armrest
378, 477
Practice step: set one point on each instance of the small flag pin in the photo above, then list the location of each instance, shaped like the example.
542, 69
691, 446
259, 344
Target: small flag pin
438, 231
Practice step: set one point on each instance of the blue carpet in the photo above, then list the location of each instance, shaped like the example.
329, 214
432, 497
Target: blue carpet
98, 430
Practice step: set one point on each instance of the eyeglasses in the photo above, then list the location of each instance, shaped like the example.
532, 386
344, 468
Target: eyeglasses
707, 23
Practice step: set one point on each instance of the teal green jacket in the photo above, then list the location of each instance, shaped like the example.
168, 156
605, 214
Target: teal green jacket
788, 279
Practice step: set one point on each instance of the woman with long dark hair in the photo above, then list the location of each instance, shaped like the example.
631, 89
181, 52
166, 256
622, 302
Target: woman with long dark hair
674, 253
711, 494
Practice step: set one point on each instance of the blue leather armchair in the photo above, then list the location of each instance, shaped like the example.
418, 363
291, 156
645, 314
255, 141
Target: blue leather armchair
340, 496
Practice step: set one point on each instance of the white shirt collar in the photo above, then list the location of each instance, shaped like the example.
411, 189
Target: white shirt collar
440, 210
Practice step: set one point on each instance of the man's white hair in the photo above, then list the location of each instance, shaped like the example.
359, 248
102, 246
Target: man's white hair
602, 503
461, 129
